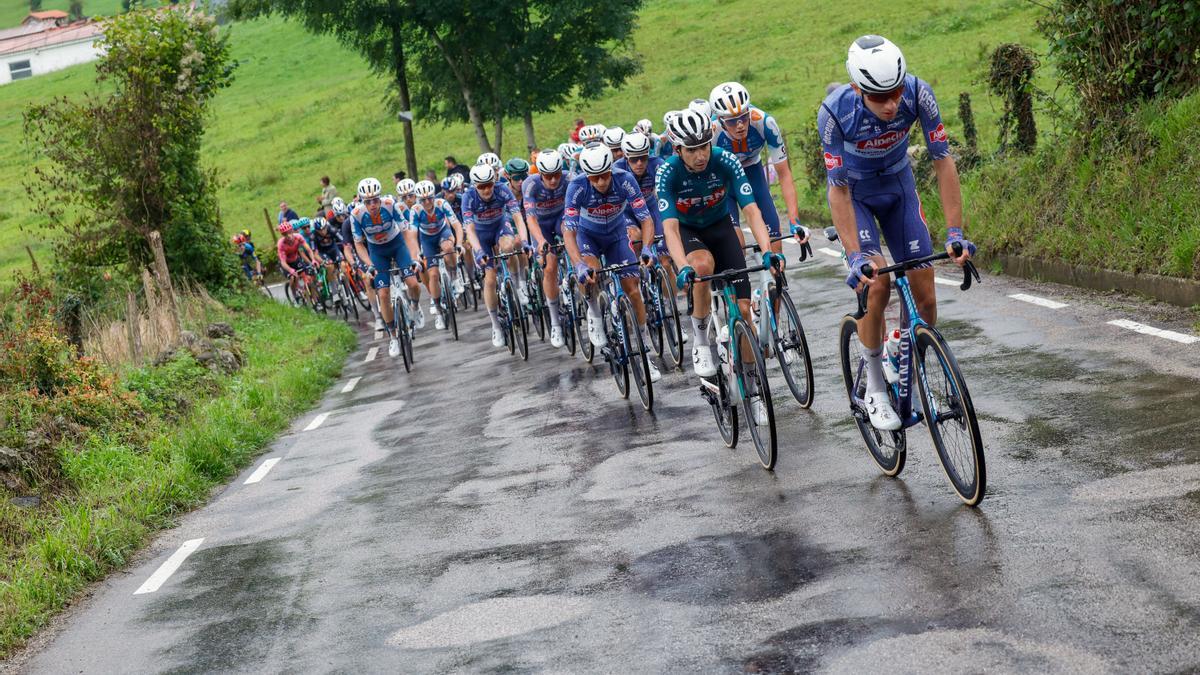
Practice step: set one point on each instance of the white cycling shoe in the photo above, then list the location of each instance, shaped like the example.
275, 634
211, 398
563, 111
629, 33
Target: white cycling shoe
556, 337
879, 409
655, 376
393, 348
433, 308
522, 294
418, 318
596, 330
702, 361
378, 324
438, 322
497, 337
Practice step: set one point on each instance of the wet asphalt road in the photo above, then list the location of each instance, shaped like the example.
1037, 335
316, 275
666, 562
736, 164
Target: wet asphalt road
483, 514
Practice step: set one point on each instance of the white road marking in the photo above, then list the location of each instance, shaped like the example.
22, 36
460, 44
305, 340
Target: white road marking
946, 282
317, 421
371, 354
351, 385
168, 568
1156, 332
378, 334
1035, 300
832, 253
261, 472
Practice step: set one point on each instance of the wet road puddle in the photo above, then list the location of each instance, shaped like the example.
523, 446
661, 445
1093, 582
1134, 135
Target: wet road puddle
492, 619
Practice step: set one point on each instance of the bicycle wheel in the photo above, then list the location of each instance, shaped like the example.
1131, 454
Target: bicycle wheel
723, 409
449, 310
519, 329
586, 348
460, 273
757, 394
566, 310
537, 301
348, 298
791, 350
401, 328
287, 293
358, 285
950, 416
614, 351
671, 327
636, 353
887, 448
654, 319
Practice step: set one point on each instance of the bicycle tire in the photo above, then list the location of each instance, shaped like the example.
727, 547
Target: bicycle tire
287, 292
519, 331
449, 310
955, 399
672, 328
888, 449
647, 282
506, 318
357, 286
566, 312
586, 348
792, 341
617, 361
724, 411
636, 353
401, 328
767, 448
537, 300
348, 298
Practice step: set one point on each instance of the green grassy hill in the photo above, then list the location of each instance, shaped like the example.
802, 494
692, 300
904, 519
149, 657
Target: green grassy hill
302, 106
12, 11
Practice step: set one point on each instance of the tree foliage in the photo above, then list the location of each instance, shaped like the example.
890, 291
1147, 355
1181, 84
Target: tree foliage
119, 164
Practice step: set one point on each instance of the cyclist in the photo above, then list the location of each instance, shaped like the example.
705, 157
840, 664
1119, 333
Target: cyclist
341, 218
493, 160
594, 225
295, 257
450, 188
325, 240
746, 131
864, 127
693, 187
251, 266
637, 161
406, 197
592, 134
437, 230
382, 236
612, 138
485, 207
544, 194
665, 147
517, 171
702, 106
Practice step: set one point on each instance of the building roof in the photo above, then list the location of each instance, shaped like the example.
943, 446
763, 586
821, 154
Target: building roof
76, 32
47, 15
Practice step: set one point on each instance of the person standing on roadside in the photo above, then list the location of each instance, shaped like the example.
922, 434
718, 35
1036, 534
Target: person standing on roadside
328, 192
453, 167
286, 214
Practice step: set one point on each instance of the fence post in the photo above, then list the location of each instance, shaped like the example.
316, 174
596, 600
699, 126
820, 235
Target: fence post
163, 276
133, 326
32, 260
273, 234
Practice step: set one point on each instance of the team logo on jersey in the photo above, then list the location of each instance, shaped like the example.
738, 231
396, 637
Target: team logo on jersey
882, 143
832, 161
602, 211
688, 204
938, 135
746, 189
663, 204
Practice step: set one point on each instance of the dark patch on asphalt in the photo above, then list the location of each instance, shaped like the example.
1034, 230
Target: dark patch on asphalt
728, 568
801, 649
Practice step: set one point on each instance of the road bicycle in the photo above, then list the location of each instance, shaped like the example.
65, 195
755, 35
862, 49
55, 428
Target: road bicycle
662, 312
567, 291
536, 307
402, 323
513, 321
780, 332
624, 349
446, 300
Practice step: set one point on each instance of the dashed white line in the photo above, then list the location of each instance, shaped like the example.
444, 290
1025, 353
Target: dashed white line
351, 385
378, 334
317, 421
371, 354
946, 282
1035, 300
261, 472
1156, 332
168, 568
832, 253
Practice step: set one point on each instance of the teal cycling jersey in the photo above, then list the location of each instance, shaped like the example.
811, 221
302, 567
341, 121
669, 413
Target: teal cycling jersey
700, 199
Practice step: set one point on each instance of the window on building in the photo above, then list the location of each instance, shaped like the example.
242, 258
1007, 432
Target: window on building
19, 70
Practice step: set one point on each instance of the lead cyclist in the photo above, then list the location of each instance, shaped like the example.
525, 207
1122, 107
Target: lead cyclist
864, 127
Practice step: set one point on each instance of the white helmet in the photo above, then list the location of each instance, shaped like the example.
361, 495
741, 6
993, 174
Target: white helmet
424, 189
875, 64
405, 186
592, 133
636, 144
644, 126
368, 188
482, 173
338, 205
701, 106
596, 160
492, 160
549, 161
729, 99
613, 137
564, 151
456, 181
691, 129
668, 115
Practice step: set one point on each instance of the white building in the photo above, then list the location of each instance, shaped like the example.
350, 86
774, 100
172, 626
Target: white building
46, 42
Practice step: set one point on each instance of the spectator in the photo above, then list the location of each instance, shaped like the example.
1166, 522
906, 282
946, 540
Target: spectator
328, 192
399, 176
578, 126
431, 176
285, 213
452, 166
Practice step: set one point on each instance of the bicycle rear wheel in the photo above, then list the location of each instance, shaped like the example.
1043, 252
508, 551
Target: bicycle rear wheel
537, 301
518, 330
791, 350
636, 353
614, 350
723, 409
349, 299
449, 310
887, 448
654, 310
671, 327
401, 328
757, 394
950, 415
580, 320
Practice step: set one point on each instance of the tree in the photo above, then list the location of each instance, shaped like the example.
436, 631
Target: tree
116, 166
376, 29
75, 10
35, 5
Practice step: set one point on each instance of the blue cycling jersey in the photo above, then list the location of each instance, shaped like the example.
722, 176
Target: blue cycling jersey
489, 214
763, 132
858, 145
698, 200
442, 217
604, 212
380, 229
646, 184
543, 203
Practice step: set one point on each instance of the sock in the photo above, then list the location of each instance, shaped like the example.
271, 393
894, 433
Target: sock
494, 315
700, 330
593, 303
554, 317
875, 381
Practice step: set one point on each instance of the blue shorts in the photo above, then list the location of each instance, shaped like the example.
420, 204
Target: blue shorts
332, 253
382, 256
488, 239
612, 248
891, 200
431, 244
551, 230
757, 175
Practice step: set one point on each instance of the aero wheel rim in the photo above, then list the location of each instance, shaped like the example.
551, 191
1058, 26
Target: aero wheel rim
756, 400
791, 349
636, 351
885, 448
948, 422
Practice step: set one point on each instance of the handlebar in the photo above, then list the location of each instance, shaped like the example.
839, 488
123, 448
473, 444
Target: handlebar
970, 273
754, 247
719, 276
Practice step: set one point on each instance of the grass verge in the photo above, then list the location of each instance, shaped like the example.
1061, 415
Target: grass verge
121, 491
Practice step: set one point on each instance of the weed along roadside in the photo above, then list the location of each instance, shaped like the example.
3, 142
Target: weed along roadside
93, 463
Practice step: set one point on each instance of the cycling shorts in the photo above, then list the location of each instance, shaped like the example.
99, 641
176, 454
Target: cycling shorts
332, 253
489, 239
721, 240
612, 247
382, 256
891, 200
757, 175
431, 245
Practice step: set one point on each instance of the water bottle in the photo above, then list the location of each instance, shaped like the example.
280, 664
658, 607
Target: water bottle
891, 362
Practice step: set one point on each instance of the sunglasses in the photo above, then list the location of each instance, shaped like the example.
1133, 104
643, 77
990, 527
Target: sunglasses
736, 121
372, 200
640, 160
892, 95
599, 177
484, 186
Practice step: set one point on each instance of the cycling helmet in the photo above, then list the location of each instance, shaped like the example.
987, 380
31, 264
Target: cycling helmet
701, 106
549, 161
517, 168
691, 129
338, 205
492, 160
564, 151
592, 133
285, 227
320, 223
875, 64
644, 127
246, 234
613, 137
636, 145
596, 160
456, 181
481, 174
368, 188
424, 189
667, 117
303, 224
405, 187
729, 99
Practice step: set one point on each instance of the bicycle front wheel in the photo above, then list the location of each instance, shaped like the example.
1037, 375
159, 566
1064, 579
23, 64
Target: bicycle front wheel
401, 328
537, 302
518, 330
756, 394
791, 349
636, 353
580, 320
950, 415
671, 327
723, 409
887, 448
614, 350
449, 310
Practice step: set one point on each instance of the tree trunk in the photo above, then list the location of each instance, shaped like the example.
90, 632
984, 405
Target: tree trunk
468, 97
400, 68
530, 138
498, 133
